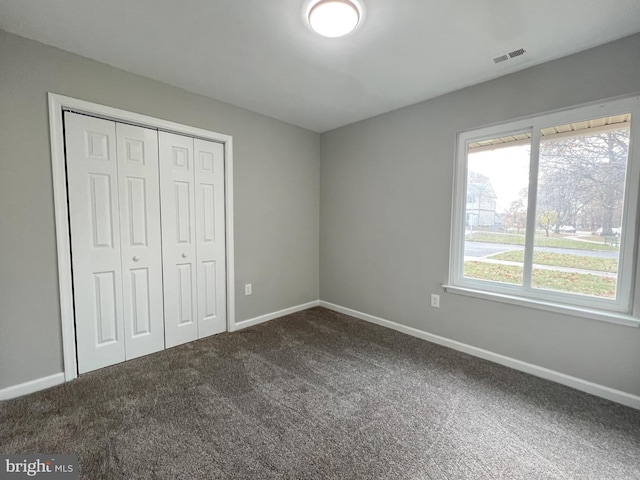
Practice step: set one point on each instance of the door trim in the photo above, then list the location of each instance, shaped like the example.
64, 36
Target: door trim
59, 103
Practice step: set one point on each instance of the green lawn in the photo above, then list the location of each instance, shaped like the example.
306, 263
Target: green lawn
562, 260
546, 279
540, 241
593, 238
493, 271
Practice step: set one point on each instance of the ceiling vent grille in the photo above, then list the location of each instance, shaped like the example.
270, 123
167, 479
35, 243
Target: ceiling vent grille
508, 56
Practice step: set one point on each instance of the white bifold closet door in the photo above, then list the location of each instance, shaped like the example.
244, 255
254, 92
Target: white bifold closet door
193, 237
114, 210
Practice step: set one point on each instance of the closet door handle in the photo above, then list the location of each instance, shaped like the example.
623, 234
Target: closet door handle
136, 258
184, 255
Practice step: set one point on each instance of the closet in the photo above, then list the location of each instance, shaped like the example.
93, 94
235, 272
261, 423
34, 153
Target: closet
146, 212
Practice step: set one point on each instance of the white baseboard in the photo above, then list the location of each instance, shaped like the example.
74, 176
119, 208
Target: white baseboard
270, 316
32, 386
614, 395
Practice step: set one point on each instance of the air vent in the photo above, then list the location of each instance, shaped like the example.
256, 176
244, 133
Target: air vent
508, 56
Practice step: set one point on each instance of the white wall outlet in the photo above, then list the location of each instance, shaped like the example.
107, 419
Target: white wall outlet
247, 289
435, 300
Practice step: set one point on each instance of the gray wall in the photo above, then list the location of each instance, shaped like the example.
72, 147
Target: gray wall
276, 195
385, 216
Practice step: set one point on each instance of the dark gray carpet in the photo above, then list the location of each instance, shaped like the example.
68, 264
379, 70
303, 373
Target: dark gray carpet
320, 395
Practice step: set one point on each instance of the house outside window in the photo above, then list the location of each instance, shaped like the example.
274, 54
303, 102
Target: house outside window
545, 210
481, 204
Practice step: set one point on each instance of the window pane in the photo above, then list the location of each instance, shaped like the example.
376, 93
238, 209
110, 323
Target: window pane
579, 207
496, 208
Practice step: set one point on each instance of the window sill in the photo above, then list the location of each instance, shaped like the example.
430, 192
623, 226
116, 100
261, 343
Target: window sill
611, 317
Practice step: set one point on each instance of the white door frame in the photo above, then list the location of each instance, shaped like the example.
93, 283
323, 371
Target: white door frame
59, 103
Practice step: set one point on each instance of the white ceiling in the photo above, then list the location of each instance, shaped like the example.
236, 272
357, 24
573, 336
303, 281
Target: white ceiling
261, 54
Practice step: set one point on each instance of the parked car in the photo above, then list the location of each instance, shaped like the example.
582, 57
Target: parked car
616, 231
567, 229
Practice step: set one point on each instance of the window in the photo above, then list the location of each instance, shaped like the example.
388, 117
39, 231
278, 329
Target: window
545, 209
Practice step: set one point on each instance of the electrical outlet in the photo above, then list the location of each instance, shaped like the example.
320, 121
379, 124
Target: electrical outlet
247, 289
435, 300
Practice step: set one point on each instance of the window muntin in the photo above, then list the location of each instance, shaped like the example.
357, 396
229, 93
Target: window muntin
588, 153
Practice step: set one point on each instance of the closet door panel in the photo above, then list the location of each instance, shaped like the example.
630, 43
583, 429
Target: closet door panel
210, 237
139, 195
177, 193
92, 177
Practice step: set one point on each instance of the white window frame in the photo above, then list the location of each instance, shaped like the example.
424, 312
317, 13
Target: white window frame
619, 310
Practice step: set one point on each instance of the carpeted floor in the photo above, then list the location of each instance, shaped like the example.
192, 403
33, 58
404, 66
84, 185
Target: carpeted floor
320, 395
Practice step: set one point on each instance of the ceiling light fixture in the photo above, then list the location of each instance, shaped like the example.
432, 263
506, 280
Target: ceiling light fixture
334, 18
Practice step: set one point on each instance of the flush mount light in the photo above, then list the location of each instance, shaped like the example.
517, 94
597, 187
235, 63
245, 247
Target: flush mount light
334, 18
